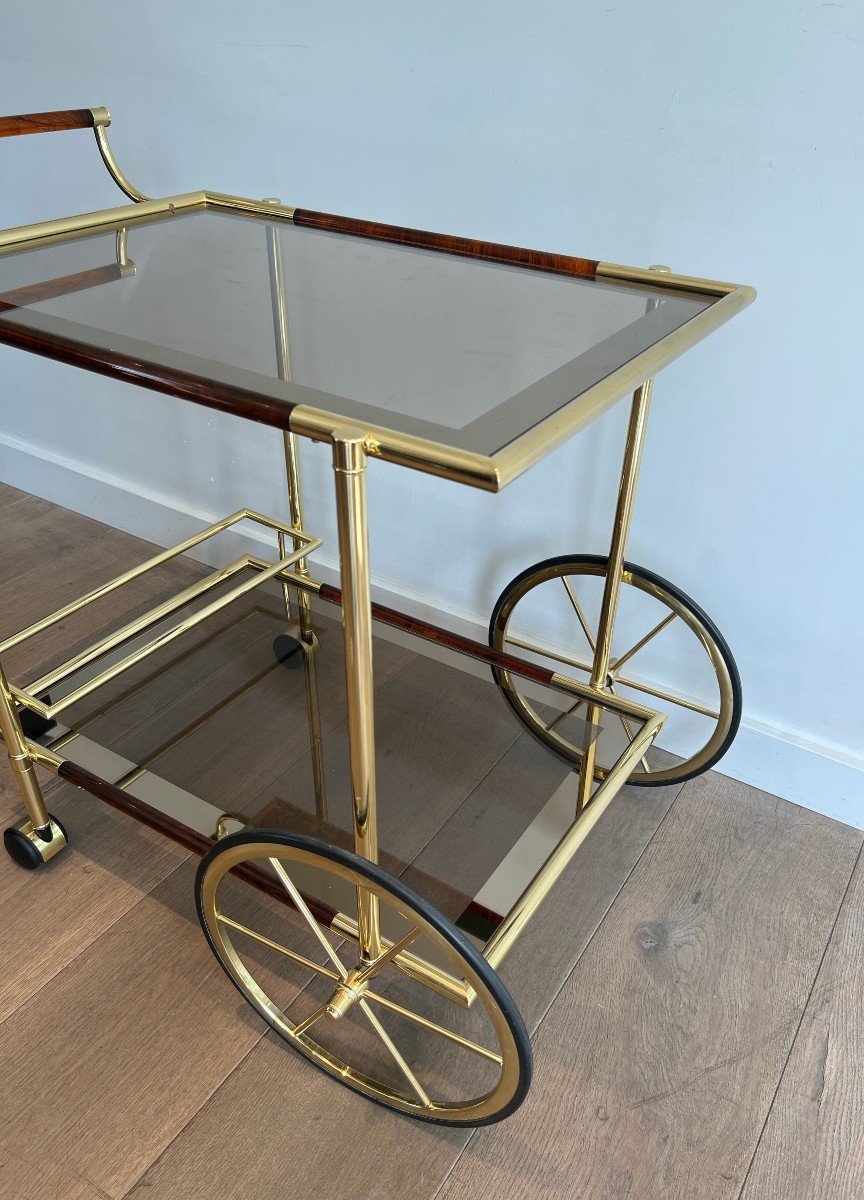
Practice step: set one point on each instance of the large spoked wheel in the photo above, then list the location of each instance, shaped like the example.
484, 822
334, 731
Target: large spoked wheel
370, 1026
667, 654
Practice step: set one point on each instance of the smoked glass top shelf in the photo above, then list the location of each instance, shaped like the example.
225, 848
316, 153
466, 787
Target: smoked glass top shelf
435, 352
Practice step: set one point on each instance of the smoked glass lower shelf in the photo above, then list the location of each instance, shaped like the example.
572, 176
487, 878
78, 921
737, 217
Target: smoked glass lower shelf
470, 805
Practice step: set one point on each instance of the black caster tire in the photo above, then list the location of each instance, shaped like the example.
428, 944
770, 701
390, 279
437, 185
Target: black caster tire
24, 851
289, 651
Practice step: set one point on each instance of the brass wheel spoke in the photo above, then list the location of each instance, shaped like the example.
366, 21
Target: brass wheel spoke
302, 1026
397, 1057
388, 956
391, 1048
713, 697
667, 620
568, 587
303, 908
280, 949
570, 662
435, 1028
681, 701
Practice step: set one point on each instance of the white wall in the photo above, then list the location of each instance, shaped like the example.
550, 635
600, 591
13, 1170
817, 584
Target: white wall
721, 139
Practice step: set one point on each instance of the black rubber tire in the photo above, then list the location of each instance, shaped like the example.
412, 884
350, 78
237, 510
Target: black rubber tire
22, 851
601, 560
436, 919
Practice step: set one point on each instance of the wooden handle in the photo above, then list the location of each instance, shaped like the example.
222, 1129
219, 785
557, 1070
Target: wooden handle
537, 260
47, 122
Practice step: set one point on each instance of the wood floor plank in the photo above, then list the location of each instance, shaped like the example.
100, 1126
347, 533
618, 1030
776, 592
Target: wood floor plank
555, 940
157, 699
657, 1063
295, 1132
812, 1147
10, 495
11, 804
112, 1057
153, 702
23, 1176
39, 529
52, 915
9, 794
339, 1145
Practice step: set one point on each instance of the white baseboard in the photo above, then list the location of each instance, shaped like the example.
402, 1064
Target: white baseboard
808, 773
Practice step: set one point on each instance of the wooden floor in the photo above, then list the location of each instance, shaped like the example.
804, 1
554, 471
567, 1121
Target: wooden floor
694, 991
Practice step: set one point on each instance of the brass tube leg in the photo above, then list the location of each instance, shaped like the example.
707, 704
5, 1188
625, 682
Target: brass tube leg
349, 464
282, 338
313, 712
291, 451
20, 760
621, 532
633, 448
612, 586
35, 838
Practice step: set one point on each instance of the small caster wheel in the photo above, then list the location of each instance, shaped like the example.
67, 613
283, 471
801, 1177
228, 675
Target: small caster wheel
32, 724
30, 847
288, 651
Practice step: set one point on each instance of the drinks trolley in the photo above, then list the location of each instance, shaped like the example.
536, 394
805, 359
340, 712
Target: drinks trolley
463, 359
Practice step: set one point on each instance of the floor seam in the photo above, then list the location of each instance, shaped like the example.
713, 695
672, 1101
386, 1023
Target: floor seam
265, 1033
127, 912
609, 908
193, 1116
571, 972
453, 1165
804, 1008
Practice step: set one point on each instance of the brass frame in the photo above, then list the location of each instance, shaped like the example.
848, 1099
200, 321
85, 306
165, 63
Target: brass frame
489, 472
352, 446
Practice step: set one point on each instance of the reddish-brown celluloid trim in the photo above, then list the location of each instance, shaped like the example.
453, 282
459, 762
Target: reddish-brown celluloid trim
52, 288
443, 637
537, 260
253, 406
184, 835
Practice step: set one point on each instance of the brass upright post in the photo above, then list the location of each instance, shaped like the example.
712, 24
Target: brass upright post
633, 448
349, 465
289, 440
20, 760
37, 827
291, 451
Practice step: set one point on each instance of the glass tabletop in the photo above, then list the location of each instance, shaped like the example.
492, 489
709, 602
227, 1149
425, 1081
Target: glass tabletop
467, 353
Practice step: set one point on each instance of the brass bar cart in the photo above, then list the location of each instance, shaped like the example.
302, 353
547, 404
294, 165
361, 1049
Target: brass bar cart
390, 996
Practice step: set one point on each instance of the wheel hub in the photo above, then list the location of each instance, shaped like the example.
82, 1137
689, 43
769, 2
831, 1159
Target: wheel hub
347, 992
